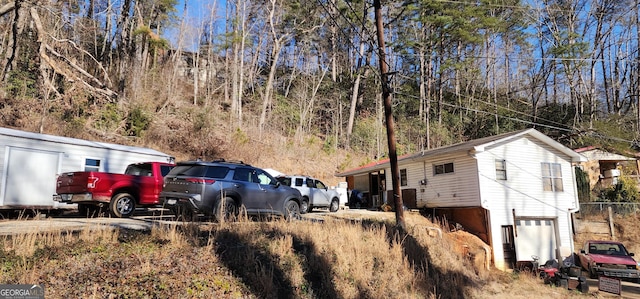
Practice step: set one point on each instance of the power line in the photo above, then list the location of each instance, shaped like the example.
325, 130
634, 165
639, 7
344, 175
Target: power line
552, 124
493, 113
559, 128
337, 25
527, 7
635, 60
370, 40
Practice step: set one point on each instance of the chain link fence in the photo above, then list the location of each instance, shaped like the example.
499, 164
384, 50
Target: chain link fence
599, 208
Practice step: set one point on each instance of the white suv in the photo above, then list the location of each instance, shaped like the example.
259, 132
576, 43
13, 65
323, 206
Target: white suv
315, 194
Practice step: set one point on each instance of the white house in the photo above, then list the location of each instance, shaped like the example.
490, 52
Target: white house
30, 163
515, 191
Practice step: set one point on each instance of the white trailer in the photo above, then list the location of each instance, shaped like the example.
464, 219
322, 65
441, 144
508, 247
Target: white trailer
31, 162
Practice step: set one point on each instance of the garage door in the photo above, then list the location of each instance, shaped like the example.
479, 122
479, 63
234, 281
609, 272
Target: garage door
535, 237
30, 177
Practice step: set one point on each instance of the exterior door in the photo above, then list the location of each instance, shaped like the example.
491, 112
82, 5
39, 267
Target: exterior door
30, 177
267, 195
318, 192
535, 237
508, 246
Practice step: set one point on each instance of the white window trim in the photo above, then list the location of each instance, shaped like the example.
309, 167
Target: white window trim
551, 176
503, 170
444, 169
100, 164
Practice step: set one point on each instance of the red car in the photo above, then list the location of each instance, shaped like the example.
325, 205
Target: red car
608, 258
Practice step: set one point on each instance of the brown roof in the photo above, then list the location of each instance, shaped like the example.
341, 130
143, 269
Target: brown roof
460, 147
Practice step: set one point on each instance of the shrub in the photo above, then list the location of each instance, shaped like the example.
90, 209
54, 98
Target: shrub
137, 122
582, 182
109, 117
626, 190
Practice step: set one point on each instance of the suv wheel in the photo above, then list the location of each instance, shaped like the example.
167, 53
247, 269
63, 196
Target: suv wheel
227, 210
122, 205
304, 206
291, 210
335, 205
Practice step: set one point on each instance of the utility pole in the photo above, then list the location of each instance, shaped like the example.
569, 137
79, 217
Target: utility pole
391, 138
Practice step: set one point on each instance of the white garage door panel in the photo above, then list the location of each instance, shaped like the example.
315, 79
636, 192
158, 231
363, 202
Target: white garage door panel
31, 177
535, 237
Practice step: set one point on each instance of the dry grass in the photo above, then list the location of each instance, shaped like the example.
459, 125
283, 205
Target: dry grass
628, 232
625, 228
367, 258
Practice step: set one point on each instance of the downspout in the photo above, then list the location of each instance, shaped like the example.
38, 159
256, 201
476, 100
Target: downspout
576, 207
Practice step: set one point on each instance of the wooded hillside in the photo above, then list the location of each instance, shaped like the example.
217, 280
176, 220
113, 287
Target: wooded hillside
284, 73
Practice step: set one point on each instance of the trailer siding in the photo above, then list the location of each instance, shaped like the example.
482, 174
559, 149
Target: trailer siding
32, 161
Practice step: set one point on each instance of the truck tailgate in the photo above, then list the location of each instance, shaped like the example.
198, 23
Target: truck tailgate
72, 182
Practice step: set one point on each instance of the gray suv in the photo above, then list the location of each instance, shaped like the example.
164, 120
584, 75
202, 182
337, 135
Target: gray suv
222, 189
315, 194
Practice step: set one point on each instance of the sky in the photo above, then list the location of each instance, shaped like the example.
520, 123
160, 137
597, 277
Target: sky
190, 15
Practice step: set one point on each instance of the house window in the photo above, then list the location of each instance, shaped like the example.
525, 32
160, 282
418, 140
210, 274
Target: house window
91, 165
403, 177
442, 168
501, 170
552, 177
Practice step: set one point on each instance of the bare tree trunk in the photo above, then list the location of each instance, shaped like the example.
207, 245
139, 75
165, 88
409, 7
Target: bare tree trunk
124, 45
305, 119
355, 93
16, 29
334, 54
278, 41
235, 64
241, 54
636, 90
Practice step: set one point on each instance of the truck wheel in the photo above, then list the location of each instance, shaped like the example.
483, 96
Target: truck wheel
304, 206
122, 205
227, 210
335, 205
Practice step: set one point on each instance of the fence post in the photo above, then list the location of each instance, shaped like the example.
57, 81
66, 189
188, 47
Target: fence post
611, 227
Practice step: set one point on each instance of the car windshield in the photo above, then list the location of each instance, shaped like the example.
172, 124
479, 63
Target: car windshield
607, 248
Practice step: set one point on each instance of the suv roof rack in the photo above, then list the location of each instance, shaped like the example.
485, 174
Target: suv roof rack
217, 160
228, 161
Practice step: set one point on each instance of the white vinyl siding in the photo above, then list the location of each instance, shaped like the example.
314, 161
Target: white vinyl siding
457, 189
522, 194
56, 155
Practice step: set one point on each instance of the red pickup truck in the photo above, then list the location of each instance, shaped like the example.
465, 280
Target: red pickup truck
140, 186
